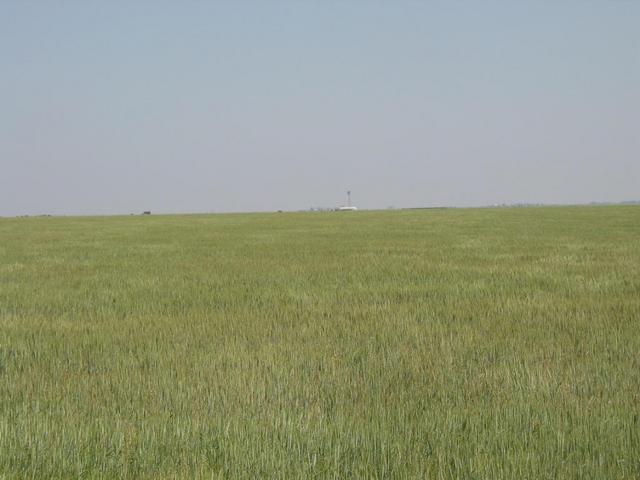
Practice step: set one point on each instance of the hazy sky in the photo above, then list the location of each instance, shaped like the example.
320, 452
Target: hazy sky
193, 106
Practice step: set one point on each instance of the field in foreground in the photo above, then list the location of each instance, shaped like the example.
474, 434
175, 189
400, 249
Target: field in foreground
497, 343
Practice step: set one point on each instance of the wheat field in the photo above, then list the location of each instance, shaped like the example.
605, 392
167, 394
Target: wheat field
445, 344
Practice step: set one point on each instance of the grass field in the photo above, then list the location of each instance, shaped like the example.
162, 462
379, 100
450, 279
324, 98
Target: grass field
486, 343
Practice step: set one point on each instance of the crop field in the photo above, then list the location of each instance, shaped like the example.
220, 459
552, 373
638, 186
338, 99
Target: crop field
444, 344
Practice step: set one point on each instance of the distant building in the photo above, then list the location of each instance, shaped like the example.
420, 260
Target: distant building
348, 207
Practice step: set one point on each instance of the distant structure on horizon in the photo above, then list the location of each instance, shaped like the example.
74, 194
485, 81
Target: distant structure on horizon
348, 207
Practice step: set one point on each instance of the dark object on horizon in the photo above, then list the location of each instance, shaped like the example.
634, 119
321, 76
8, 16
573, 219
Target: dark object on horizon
147, 212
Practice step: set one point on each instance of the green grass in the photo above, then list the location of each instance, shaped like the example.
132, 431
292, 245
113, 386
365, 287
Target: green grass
495, 343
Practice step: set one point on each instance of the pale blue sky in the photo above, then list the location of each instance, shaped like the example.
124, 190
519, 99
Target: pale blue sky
124, 106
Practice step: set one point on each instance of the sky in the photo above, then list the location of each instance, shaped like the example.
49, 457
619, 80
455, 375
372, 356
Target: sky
192, 106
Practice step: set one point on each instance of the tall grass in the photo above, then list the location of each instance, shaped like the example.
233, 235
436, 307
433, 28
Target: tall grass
498, 343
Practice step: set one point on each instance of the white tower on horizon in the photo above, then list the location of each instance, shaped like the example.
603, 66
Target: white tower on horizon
348, 206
